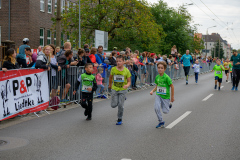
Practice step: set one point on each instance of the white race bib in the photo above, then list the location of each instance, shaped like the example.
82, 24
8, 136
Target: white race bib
197, 67
226, 66
218, 72
118, 78
161, 90
84, 88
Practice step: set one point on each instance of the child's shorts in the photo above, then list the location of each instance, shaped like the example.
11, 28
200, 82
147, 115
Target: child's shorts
218, 79
226, 71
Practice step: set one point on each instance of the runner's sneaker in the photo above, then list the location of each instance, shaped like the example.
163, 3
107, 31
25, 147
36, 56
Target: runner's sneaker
219, 88
215, 87
119, 122
226, 80
104, 96
186, 82
88, 119
233, 88
160, 125
236, 89
85, 113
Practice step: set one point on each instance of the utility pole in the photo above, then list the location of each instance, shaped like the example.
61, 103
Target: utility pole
58, 24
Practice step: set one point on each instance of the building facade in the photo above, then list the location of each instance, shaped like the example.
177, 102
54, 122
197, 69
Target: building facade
29, 19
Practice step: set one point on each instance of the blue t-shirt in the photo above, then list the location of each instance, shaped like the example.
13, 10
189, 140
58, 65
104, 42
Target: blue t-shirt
186, 60
22, 54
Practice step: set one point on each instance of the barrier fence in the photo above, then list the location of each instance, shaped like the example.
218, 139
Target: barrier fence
61, 84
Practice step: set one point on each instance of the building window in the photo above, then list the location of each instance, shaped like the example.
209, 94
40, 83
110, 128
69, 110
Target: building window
42, 5
63, 5
55, 5
41, 37
0, 8
48, 37
55, 35
49, 6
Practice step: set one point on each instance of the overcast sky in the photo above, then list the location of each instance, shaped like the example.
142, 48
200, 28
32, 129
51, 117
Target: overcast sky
228, 11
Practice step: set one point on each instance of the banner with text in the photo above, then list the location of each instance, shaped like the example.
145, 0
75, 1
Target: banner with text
23, 91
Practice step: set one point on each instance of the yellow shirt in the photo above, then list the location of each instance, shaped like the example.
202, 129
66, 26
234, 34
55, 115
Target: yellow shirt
226, 65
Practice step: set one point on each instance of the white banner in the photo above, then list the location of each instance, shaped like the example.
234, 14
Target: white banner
23, 91
101, 39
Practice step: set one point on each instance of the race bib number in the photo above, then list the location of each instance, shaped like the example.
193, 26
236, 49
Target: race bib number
226, 66
118, 78
161, 90
84, 88
197, 67
218, 72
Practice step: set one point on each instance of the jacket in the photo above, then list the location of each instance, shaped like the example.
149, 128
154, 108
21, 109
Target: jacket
9, 65
113, 61
42, 61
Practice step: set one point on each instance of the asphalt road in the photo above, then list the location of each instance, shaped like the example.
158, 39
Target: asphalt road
210, 131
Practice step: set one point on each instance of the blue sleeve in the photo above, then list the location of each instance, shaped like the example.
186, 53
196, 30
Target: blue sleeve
98, 59
200, 66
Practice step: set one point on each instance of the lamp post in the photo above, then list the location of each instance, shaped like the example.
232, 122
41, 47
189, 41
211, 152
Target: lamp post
79, 27
207, 38
186, 5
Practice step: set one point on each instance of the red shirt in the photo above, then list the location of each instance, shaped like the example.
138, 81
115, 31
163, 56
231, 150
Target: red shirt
93, 58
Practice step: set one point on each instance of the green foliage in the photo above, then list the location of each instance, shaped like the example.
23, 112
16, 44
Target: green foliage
131, 23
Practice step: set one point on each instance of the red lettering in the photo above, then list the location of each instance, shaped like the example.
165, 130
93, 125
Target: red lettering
23, 88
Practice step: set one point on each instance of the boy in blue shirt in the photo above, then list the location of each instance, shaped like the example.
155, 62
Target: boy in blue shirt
196, 68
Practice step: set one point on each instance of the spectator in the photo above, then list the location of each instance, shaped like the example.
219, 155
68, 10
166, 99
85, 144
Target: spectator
10, 60
32, 57
100, 86
127, 55
101, 54
94, 58
86, 46
67, 46
112, 58
57, 50
115, 49
64, 62
173, 50
87, 51
43, 58
144, 60
21, 57
40, 50
54, 71
81, 54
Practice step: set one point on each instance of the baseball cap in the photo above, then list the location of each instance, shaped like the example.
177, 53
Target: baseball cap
122, 52
114, 48
86, 50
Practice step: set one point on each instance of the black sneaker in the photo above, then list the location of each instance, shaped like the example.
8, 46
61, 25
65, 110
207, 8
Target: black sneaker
219, 88
88, 119
119, 122
170, 105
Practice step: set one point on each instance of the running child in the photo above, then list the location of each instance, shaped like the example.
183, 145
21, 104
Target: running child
196, 68
119, 81
218, 73
226, 67
88, 86
162, 99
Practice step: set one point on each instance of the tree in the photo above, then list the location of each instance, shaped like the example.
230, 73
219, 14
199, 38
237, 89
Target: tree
128, 22
176, 27
216, 50
198, 44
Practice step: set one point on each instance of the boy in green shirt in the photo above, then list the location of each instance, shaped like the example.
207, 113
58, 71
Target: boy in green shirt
119, 81
162, 99
88, 86
218, 74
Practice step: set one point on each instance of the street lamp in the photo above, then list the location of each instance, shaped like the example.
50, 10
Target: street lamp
188, 4
207, 38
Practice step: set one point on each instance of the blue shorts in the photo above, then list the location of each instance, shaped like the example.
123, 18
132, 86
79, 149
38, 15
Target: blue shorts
219, 79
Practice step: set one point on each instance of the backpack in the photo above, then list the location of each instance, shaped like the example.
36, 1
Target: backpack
54, 102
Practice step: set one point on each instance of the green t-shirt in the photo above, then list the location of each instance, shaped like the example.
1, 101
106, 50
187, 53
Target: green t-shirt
235, 59
86, 81
230, 67
163, 86
218, 71
119, 78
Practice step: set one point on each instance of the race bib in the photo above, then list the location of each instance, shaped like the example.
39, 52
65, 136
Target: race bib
84, 88
218, 72
226, 66
161, 90
118, 78
197, 67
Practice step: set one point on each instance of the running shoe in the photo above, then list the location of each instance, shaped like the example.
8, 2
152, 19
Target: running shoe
119, 122
104, 96
219, 88
236, 89
233, 88
226, 80
88, 119
160, 125
170, 105
215, 87
186, 82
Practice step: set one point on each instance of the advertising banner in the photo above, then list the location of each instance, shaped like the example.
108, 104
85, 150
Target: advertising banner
23, 91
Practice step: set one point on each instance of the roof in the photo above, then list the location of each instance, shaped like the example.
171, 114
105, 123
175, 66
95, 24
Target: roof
212, 38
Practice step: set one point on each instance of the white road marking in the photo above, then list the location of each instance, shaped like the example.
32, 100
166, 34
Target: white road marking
210, 95
222, 87
170, 126
125, 159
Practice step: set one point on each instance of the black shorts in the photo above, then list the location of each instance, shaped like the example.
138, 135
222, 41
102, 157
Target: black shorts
186, 70
226, 71
218, 79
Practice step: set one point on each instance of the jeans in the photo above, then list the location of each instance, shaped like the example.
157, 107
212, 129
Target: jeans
196, 76
99, 88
